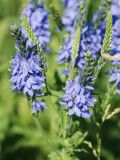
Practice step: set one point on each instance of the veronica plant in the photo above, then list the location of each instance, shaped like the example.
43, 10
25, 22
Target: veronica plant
27, 73
88, 48
39, 22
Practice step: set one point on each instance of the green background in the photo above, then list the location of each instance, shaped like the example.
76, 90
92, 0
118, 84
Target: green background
19, 137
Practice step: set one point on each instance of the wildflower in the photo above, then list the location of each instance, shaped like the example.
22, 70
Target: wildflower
70, 14
115, 46
115, 8
26, 68
115, 11
91, 40
116, 37
77, 99
73, 18
38, 106
38, 20
27, 75
78, 91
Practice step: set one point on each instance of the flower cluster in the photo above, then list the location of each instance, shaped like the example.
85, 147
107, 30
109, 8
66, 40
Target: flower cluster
115, 10
78, 91
93, 34
28, 68
71, 10
38, 20
116, 37
27, 75
77, 99
115, 46
27, 72
91, 39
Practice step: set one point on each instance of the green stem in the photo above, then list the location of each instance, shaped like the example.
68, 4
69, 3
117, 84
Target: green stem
108, 97
45, 137
99, 144
64, 131
54, 107
42, 132
55, 93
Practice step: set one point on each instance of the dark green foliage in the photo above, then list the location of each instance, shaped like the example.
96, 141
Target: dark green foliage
56, 17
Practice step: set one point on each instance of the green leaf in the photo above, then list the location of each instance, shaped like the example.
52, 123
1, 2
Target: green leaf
78, 138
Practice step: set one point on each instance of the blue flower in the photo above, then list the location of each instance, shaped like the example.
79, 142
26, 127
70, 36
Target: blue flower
115, 72
64, 55
39, 22
77, 99
115, 8
27, 75
28, 66
115, 77
91, 40
70, 14
38, 106
116, 37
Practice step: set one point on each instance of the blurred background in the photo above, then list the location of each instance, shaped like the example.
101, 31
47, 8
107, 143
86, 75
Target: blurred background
19, 137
